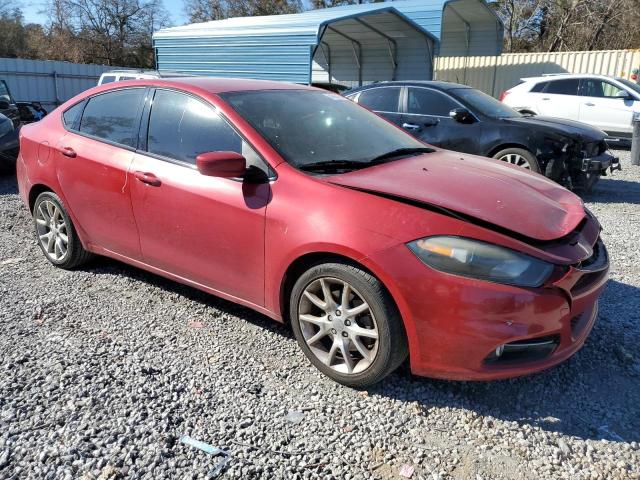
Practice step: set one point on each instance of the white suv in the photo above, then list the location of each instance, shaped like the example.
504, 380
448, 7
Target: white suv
604, 102
120, 75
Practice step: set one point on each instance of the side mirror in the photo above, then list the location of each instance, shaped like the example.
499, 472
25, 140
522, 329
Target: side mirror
4, 105
624, 95
462, 115
221, 164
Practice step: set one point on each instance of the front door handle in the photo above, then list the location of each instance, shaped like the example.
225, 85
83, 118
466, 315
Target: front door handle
589, 104
148, 178
410, 126
546, 98
68, 152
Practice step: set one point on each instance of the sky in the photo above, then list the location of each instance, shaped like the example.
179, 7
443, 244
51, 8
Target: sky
31, 11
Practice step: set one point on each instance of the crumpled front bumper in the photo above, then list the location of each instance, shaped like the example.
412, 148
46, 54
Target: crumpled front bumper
600, 163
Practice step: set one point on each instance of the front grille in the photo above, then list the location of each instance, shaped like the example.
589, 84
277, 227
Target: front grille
597, 260
577, 325
586, 281
593, 268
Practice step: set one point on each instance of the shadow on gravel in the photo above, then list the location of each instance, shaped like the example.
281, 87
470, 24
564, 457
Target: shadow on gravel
104, 265
594, 395
8, 185
614, 191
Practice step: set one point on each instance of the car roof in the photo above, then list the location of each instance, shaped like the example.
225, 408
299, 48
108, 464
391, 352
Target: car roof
437, 84
209, 84
560, 76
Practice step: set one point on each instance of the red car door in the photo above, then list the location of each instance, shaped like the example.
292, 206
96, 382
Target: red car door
206, 229
92, 162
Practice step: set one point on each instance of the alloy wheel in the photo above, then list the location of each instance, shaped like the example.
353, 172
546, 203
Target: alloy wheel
338, 325
52, 230
516, 159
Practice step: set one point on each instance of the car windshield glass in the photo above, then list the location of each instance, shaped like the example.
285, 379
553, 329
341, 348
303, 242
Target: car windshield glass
484, 103
633, 86
309, 127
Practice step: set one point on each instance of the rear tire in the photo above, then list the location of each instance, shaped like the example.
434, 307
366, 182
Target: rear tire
519, 157
347, 324
56, 234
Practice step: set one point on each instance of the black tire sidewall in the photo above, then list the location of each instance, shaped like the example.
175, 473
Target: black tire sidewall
531, 158
391, 336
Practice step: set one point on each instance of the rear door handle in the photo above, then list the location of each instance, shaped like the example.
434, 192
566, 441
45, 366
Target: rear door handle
148, 178
589, 104
410, 126
68, 152
546, 98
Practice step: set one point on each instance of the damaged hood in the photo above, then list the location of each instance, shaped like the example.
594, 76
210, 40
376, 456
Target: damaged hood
488, 190
560, 126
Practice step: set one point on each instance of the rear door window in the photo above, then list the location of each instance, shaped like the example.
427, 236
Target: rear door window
563, 87
113, 116
182, 127
424, 101
384, 99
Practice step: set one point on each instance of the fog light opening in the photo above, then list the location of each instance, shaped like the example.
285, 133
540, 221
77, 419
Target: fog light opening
522, 351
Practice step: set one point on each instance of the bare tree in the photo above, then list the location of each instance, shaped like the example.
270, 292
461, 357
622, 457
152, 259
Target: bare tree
206, 10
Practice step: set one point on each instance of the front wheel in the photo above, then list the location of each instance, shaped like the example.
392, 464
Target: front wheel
347, 324
519, 157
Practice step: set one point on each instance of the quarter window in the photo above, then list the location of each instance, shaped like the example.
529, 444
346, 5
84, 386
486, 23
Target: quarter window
424, 101
380, 99
182, 127
539, 87
108, 79
71, 116
113, 116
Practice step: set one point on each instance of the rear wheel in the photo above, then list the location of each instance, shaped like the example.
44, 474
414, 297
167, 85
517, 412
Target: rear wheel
347, 324
519, 157
56, 234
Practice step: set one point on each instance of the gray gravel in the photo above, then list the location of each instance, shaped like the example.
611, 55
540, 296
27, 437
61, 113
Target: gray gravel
103, 369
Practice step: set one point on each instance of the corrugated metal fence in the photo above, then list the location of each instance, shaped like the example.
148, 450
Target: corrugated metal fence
48, 82
493, 74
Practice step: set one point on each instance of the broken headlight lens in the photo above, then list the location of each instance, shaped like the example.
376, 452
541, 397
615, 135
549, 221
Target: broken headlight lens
484, 261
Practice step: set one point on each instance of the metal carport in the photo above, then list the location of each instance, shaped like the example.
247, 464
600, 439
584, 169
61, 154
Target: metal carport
381, 44
350, 45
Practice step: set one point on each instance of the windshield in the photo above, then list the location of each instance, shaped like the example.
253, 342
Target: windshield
484, 104
311, 127
633, 86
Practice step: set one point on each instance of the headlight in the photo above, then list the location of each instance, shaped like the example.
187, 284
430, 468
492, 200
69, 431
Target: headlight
475, 259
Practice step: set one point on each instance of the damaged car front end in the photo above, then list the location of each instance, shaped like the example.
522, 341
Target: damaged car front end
576, 162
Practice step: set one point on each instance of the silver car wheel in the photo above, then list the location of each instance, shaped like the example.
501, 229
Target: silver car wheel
515, 159
338, 325
52, 230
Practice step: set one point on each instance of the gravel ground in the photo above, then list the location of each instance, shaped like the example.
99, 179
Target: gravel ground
103, 369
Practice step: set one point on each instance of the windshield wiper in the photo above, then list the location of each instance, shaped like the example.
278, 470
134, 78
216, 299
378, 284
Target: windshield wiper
333, 165
400, 152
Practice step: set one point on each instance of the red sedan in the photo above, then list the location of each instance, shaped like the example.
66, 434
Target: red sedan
314, 211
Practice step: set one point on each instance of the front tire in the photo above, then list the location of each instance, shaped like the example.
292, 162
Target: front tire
347, 324
56, 234
519, 157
